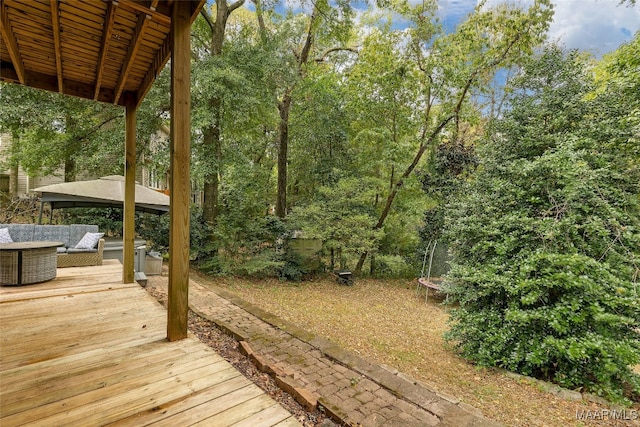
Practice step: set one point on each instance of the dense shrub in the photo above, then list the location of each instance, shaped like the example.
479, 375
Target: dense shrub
546, 239
108, 220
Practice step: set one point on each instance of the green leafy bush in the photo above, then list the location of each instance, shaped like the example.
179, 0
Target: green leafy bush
393, 266
546, 239
155, 230
108, 220
292, 266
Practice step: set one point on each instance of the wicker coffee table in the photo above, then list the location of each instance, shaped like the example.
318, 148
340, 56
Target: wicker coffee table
24, 263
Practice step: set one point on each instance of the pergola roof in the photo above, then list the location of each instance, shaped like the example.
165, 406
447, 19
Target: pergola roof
112, 51
109, 51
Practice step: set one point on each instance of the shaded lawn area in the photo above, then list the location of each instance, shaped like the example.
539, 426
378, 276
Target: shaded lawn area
385, 322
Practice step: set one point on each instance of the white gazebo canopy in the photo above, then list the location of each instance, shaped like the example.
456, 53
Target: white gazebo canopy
106, 192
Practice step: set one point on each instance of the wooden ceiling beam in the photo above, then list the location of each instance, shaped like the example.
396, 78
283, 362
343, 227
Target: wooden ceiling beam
107, 30
55, 24
159, 61
159, 13
143, 21
162, 56
54, 79
71, 87
11, 44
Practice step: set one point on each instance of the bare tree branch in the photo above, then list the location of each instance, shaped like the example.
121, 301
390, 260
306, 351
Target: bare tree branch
326, 53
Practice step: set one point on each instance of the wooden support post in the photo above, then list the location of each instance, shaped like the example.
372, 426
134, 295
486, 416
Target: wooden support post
128, 216
179, 185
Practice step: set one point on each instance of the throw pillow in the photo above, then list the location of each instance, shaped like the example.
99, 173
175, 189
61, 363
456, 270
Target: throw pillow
5, 237
89, 241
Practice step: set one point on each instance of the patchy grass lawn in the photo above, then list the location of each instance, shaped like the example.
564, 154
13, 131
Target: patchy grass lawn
385, 322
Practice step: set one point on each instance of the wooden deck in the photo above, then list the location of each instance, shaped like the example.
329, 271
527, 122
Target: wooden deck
84, 349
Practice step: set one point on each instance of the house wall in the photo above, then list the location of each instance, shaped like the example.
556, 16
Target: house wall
26, 183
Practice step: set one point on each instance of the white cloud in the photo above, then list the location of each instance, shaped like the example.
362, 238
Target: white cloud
597, 26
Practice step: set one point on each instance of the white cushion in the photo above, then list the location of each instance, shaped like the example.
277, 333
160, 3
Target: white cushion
5, 237
89, 241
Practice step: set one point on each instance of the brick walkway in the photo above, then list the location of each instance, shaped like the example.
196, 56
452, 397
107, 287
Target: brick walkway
317, 372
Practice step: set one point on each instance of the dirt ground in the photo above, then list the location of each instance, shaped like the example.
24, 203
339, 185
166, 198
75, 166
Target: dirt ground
388, 323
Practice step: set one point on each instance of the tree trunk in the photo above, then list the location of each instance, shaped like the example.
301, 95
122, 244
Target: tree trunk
428, 141
333, 263
69, 169
212, 133
13, 180
283, 142
72, 146
211, 190
284, 107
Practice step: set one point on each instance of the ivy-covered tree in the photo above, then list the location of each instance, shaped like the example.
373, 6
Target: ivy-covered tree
546, 238
452, 162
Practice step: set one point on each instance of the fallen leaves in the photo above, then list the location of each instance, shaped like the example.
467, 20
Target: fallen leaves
384, 321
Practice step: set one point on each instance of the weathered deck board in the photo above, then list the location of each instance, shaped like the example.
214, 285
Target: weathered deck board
84, 349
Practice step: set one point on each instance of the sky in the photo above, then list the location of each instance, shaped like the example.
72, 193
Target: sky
596, 26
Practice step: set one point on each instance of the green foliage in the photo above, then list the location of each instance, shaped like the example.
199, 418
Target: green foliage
364, 114
618, 81
155, 230
319, 150
264, 264
108, 220
452, 162
341, 216
293, 267
393, 266
546, 238
53, 132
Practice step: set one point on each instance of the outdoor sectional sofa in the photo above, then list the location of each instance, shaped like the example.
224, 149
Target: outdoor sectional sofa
70, 235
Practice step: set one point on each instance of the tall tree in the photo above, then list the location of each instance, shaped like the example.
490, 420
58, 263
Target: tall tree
239, 79
212, 134
327, 24
453, 66
319, 152
383, 91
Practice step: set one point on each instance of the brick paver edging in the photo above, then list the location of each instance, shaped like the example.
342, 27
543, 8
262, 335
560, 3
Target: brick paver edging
431, 407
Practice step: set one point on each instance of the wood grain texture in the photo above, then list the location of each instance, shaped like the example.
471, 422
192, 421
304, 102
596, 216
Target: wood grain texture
123, 45
85, 349
128, 251
55, 24
180, 183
